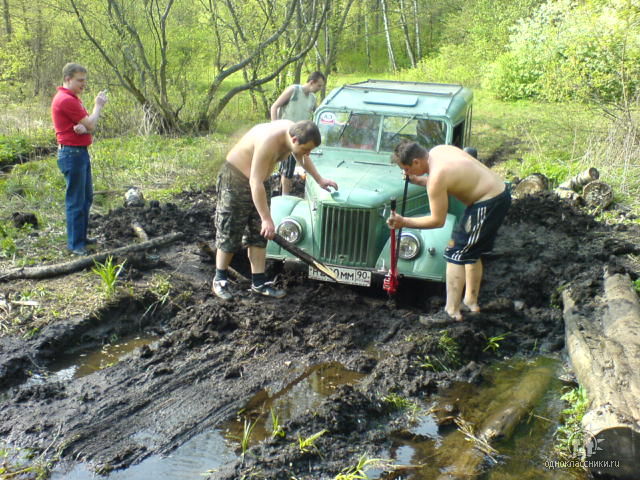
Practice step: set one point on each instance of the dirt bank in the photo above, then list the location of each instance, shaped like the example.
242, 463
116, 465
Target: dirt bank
212, 357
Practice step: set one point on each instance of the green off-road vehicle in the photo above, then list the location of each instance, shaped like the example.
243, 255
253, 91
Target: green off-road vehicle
346, 229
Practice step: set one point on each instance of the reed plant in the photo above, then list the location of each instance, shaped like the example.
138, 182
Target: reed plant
108, 273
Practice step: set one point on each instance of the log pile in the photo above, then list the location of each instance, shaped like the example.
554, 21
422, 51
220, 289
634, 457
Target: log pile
605, 356
583, 188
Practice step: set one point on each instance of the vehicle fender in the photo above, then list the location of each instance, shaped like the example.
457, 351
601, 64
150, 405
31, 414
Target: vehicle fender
288, 206
429, 264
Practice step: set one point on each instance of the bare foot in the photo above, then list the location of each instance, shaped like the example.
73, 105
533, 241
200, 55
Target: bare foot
457, 316
471, 307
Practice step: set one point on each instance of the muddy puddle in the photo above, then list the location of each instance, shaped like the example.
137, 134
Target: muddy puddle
85, 361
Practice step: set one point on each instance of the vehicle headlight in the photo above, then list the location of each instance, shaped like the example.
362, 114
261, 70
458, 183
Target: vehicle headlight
290, 230
409, 246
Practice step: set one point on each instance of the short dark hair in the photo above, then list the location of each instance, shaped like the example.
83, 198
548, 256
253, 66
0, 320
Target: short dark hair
315, 76
306, 131
406, 152
70, 69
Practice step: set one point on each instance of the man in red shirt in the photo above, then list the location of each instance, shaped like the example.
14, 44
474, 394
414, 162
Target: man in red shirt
74, 126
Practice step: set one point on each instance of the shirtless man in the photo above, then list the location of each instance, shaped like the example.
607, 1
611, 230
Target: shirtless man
451, 171
242, 212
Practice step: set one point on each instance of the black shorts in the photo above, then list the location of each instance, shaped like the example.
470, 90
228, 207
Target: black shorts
477, 229
288, 166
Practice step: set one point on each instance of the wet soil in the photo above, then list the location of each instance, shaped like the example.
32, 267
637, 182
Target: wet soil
211, 357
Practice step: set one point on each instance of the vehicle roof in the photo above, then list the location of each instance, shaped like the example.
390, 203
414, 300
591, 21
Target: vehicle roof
407, 98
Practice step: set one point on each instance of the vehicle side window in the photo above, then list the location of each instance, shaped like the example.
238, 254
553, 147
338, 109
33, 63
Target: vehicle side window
431, 133
458, 135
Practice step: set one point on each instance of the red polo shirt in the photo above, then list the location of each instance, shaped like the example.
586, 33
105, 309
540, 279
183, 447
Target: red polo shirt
66, 111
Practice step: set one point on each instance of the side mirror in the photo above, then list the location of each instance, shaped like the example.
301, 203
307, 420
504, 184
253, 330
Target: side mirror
472, 151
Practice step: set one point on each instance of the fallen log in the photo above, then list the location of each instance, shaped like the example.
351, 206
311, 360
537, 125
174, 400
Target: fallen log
139, 231
469, 451
206, 249
605, 355
534, 183
580, 179
48, 271
597, 194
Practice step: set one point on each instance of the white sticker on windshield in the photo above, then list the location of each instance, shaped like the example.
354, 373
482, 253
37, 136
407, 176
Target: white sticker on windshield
328, 118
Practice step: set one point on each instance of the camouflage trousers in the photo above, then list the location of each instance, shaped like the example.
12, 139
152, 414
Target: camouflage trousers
237, 220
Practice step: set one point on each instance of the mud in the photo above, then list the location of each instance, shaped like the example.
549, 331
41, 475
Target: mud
212, 357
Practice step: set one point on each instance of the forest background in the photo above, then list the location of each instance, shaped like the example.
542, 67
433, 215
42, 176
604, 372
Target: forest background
556, 83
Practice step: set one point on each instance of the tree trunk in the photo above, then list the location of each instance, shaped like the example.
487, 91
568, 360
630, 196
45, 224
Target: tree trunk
507, 411
6, 15
367, 43
416, 24
48, 271
534, 183
605, 355
407, 37
387, 34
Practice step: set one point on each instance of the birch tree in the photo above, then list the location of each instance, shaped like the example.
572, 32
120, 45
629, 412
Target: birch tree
387, 35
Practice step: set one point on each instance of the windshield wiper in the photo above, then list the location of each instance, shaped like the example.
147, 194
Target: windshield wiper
402, 128
344, 127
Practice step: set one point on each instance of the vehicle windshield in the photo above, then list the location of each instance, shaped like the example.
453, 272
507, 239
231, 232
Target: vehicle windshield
361, 130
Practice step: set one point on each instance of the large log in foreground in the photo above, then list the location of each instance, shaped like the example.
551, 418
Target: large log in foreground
48, 271
469, 452
605, 355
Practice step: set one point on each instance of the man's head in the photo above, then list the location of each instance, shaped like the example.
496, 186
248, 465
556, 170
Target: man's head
316, 81
409, 156
74, 77
305, 137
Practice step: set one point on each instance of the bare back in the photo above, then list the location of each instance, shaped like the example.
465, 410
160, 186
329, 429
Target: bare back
462, 176
261, 148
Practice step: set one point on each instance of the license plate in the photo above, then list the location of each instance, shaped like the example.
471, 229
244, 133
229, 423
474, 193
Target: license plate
350, 276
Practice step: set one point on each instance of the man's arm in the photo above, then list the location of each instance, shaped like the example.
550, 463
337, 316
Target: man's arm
438, 204
90, 122
281, 102
311, 169
260, 165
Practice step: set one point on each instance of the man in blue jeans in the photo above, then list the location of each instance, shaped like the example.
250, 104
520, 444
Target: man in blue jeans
73, 126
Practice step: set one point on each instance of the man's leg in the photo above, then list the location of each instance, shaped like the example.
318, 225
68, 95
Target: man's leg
455, 284
71, 164
473, 278
257, 259
286, 184
259, 284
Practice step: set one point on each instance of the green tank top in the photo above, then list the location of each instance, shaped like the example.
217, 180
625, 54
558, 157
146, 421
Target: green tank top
300, 106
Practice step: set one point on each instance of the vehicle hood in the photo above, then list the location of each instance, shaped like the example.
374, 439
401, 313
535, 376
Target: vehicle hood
364, 179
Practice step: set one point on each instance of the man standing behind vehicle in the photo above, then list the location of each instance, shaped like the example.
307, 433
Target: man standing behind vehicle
451, 171
242, 209
73, 126
296, 103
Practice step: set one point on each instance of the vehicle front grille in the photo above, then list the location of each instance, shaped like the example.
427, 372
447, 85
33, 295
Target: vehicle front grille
346, 236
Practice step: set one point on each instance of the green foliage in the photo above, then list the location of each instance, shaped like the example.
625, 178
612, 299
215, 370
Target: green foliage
570, 50
309, 443
358, 471
277, 430
450, 348
108, 273
493, 343
397, 402
636, 285
569, 435
247, 430
12, 148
